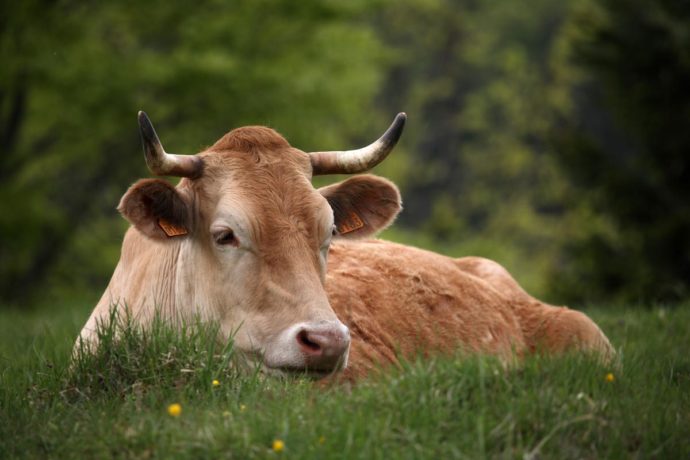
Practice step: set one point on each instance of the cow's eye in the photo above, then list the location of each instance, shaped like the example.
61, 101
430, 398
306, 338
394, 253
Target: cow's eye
226, 238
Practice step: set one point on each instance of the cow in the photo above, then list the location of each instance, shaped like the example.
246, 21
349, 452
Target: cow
293, 274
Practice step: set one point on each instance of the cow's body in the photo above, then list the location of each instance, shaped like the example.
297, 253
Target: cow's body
244, 239
401, 300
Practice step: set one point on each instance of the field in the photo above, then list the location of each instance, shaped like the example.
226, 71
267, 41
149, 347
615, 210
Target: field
118, 404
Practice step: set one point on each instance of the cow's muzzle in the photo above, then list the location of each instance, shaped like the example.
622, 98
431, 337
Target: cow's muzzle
324, 345
313, 348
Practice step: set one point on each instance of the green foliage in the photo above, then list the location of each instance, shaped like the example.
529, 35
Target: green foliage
476, 78
115, 403
78, 73
624, 145
549, 137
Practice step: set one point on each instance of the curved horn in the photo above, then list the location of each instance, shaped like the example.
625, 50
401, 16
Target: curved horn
161, 163
356, 161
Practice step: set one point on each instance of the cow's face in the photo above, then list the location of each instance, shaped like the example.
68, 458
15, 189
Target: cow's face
254, 237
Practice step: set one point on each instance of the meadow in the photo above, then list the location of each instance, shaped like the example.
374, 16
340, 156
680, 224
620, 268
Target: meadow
170, 395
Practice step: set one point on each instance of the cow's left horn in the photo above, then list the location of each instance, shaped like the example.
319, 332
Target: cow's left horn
162, 163
356, 161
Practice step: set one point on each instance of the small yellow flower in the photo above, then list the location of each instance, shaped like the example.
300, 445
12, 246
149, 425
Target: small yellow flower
215, 383
322, 439
610, 377
243, 408
226, 413
278, 445
174, 410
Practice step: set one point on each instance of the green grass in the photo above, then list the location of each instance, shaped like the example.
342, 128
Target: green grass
114, 404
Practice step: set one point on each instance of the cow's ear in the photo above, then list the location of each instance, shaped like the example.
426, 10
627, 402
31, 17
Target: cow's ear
362, 205
156, 209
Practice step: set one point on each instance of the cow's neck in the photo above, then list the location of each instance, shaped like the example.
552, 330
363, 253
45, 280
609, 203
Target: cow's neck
147, 278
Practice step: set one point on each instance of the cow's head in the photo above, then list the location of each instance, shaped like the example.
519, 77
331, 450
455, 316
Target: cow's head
253, 235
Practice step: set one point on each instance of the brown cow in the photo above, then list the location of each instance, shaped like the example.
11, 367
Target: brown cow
245, 239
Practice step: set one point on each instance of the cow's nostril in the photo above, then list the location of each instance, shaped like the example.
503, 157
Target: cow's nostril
322, 346
309, 346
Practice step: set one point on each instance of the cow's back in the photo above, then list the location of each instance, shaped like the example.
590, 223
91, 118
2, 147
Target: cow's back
400, 300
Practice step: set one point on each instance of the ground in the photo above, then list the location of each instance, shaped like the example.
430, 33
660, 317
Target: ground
162, 402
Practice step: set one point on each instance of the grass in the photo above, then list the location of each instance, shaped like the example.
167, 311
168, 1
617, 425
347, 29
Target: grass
115, 404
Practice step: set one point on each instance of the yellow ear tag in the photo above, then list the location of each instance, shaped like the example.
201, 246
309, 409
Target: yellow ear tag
171, 229
350, 224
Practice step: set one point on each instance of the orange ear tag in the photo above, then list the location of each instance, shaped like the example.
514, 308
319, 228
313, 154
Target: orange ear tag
350, 224
171, 229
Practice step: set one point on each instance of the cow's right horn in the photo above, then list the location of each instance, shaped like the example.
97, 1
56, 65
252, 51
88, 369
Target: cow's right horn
162, 163
360, 160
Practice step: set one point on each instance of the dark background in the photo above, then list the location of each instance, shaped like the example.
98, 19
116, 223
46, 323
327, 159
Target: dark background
551, 136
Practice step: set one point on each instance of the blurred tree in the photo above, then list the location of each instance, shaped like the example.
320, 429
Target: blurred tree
74, 75
624, 143
476, 77
550, 137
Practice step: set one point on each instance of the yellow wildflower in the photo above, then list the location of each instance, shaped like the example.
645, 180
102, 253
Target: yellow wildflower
243, 408
278, 445
226, 413
610, 377
174, 410
215, 383
322, 439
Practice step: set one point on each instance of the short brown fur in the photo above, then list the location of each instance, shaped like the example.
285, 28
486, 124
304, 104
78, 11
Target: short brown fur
400, 300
